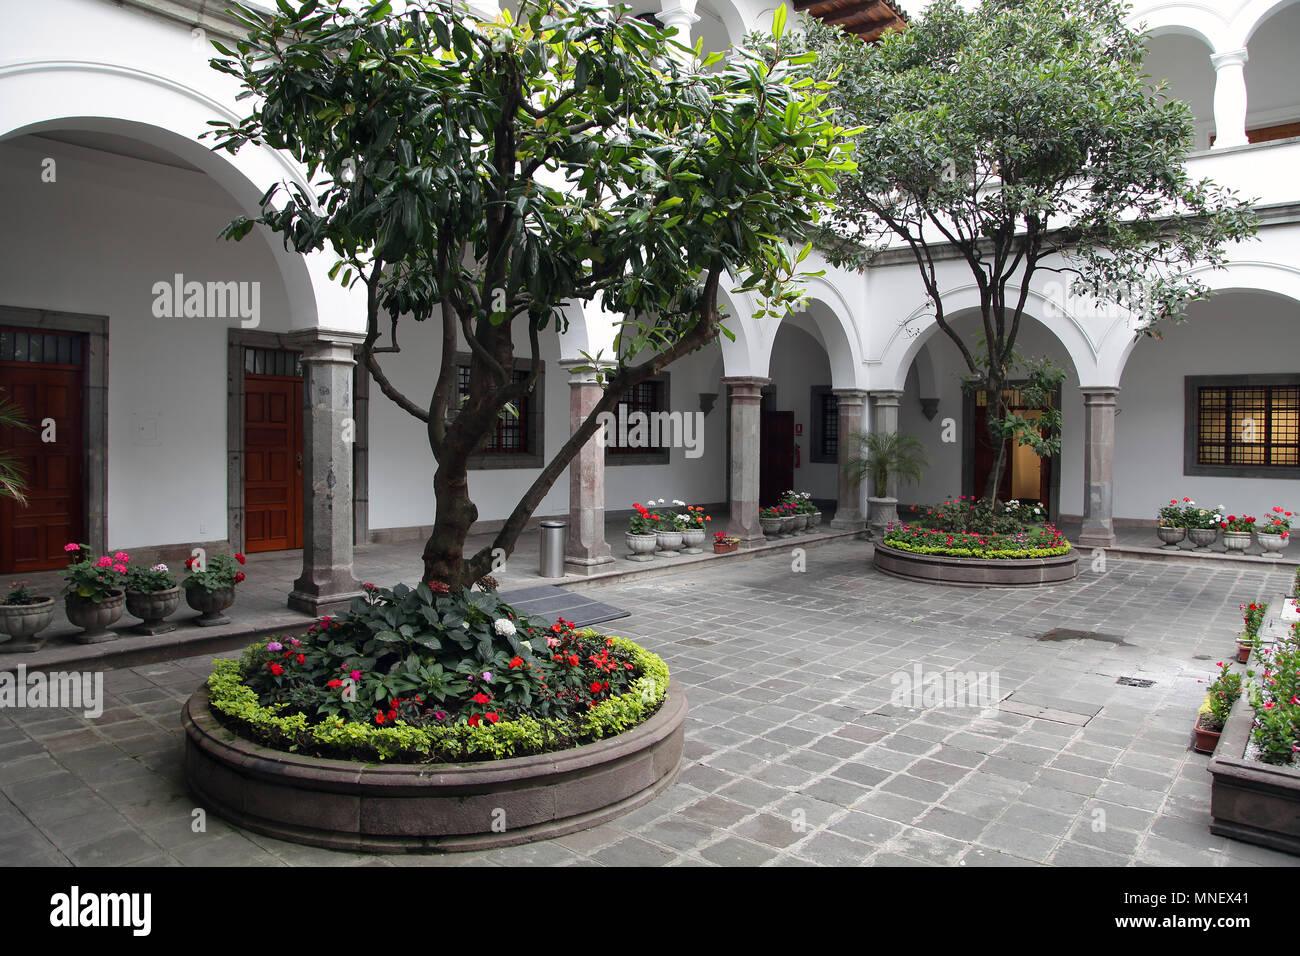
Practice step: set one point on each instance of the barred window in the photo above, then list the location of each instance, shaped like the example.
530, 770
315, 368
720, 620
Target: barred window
513, 435
825, 443
647, 398
1252, 426
45, 348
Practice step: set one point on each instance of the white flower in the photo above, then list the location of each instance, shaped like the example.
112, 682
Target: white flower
680, 504
503, 627
159, 567
465, 625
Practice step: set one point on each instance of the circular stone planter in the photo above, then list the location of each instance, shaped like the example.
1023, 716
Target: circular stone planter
396, 808
976, 572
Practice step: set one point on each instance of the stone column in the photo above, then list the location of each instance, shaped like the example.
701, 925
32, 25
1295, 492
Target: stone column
745, 394
680, 14
1229, 98
848, 505
586, 548
329, 429
1098, 467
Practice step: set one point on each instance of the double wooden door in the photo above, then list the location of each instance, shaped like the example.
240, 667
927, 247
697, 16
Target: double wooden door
50, 452
272, 463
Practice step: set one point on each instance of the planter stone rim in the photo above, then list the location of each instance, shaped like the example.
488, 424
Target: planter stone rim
976, 572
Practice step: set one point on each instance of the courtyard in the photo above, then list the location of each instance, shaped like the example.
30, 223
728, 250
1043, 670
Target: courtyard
799, 749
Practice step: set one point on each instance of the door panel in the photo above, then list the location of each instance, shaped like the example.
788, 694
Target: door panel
776, 454
272, 463
32, 537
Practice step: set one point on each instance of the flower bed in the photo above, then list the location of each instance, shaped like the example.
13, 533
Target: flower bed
415, 688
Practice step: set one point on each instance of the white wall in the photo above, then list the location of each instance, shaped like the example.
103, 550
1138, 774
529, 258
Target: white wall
95, 241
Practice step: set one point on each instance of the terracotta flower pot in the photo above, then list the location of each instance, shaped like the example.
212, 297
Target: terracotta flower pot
152, 607
642, 546
210, 604
22, 622
1206, 740
94, 617
1243, 653
720, 548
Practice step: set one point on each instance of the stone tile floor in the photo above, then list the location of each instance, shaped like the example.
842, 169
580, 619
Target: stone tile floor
795, 753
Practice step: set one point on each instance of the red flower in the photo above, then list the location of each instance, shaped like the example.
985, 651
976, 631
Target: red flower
335, 683
276, 669
239, 558
379, 717
573, 660
516, 662
302, 658
480, 698
492, 717
473, 720
239, 576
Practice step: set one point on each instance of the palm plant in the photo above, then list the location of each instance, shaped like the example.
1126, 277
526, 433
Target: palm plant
884, 457
12, 480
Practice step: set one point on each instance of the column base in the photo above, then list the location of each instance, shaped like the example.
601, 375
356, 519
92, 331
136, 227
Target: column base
848, 519
1097, 538
324, 597
592, 565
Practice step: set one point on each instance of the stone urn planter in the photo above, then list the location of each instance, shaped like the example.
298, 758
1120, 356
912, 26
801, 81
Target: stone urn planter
1272, 544
1170, 536
771, 525
692, 539
1236, 542
787, 526
152, 607
22, 622
94, 617
800, 523
884, 512
210, 604
814, 520
1202, 538
670, 542
642, 546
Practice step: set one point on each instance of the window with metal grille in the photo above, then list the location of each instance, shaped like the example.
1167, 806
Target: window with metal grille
40, 347
513, 436
648, 398
280, 362
825, 444
1251, 426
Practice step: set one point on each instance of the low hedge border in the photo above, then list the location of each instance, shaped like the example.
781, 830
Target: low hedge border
1000, 554
235, 704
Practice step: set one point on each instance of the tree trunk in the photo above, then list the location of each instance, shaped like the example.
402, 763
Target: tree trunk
993, 420
444, 552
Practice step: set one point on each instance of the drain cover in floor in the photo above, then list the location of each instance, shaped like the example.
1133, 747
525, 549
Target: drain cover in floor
1135, 682
552, 602
1070, 634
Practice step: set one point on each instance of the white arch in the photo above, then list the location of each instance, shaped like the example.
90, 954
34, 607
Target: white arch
1250, 17
733, 18
745, 356
1243, 276
1204, 22
37, 96
830, 313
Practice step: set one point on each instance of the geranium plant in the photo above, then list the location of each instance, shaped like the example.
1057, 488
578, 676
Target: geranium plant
219, 572
1201, 518
1236, 523
644, 521
1171, 515
1223, 694
1279, 523
695, 517
20, 595
94, 580
150, 580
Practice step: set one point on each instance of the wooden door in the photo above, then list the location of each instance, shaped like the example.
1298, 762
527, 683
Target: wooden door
984, 455
272, 463
776, 456
32, 537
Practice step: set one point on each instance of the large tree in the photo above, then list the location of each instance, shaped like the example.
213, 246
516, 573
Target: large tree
1023, 137
483, 175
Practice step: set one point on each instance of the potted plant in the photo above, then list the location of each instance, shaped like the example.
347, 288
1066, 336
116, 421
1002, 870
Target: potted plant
723, 543
1214, 711
152, 595
94, 595
1274, 533
1202, 525
1171, 529
769, 519
210, 588
668, 532
1253, 616
802, 509
1236, 532
886, 458
694, 525
23, 615
640, 536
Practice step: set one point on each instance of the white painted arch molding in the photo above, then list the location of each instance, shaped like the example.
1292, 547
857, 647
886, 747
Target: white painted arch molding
1203, 20
1243, 276
902, 347
827, 308
48, 95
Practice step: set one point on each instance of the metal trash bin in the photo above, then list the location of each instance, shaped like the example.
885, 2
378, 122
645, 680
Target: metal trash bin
550, 558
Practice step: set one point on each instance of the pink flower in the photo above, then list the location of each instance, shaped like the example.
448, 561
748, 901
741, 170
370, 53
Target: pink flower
120, 568
104, 562
71, 547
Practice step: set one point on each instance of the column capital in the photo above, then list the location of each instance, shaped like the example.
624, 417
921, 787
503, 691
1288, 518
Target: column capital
1229, 58
326, 345
755, 380
885, 397
850, 396
1099, 394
